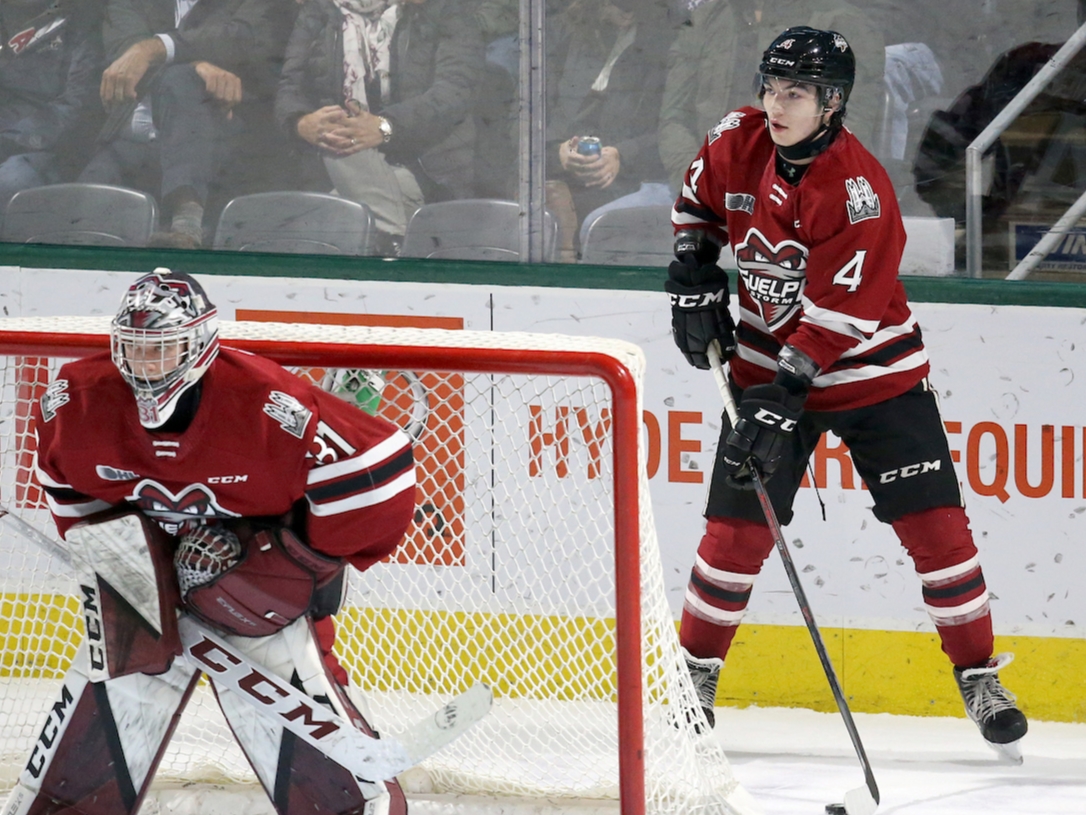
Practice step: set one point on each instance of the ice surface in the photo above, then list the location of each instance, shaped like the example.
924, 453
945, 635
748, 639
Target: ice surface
797, 761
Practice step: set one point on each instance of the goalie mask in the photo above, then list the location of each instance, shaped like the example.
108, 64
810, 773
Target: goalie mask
163, 339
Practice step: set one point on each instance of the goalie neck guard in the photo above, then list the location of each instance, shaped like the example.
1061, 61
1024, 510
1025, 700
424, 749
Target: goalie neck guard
164, 338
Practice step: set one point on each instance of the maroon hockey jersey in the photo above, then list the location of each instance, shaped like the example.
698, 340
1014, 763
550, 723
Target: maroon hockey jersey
261, 441
818, 262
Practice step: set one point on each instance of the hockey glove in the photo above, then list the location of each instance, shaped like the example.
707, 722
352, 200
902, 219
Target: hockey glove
767, 416
699, 310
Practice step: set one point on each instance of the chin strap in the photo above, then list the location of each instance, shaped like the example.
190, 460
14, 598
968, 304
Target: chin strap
809, 147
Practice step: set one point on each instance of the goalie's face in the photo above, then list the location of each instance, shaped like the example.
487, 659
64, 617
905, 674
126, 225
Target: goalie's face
163, 340
152, 361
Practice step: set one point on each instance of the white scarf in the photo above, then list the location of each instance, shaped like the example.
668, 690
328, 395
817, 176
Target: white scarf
367, 40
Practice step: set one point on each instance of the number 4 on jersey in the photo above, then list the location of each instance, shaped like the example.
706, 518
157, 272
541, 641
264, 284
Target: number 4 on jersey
852, 272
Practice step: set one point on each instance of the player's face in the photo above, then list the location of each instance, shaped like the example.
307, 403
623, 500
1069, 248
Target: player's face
154, 361
794, 110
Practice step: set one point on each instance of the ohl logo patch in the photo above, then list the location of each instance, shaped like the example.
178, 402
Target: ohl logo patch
774, 276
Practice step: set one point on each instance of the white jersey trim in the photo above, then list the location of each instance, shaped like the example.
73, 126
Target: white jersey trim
376, 454
838, 321
942, 614
867, 372
368, 498
75, 510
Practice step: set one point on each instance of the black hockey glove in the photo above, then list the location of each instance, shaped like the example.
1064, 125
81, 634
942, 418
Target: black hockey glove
698, 290
767, 416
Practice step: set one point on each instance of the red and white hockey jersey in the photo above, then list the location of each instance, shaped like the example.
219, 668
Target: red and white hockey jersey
261, 441
818, 262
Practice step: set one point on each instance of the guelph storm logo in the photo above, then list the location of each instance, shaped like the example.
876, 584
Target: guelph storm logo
194, 503
774, 276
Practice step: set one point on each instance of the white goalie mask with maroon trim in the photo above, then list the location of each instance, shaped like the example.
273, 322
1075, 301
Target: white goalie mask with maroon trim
163, 339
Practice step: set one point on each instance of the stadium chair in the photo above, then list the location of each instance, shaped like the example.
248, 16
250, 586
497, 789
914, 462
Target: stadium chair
635, 236
83, 214
296, 222
472, 229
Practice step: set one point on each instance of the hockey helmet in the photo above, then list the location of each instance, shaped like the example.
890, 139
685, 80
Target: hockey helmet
812, 56
164, 338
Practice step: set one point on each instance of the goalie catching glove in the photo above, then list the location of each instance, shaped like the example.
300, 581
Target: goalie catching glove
253, 580
698, 290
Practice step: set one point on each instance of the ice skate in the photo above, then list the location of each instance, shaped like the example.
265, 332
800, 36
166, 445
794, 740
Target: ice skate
992, 707
705, 673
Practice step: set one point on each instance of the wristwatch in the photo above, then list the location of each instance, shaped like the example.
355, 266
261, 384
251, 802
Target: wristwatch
385, 126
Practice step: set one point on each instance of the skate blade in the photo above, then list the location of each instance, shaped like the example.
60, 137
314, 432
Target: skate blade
1010, 753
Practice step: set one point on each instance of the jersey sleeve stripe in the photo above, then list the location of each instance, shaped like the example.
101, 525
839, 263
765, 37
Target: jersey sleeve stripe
379, 452
75, 510
366, 479
365, 499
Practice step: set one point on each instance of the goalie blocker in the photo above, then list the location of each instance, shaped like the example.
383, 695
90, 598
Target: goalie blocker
103, 738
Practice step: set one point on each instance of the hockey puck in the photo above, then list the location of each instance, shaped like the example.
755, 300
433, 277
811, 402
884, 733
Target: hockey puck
836, 809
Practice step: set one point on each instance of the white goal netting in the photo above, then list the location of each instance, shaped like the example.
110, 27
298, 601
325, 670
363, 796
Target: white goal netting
507, 576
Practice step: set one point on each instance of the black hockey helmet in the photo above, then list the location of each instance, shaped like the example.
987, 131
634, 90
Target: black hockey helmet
812, 56
164, 338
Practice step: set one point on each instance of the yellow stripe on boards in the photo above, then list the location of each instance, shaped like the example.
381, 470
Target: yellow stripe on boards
899, 672
902, 672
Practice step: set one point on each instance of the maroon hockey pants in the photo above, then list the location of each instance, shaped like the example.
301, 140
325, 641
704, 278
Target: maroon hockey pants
732, 552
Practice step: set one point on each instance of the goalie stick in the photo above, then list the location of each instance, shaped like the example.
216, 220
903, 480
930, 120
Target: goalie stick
862, 800
370, 758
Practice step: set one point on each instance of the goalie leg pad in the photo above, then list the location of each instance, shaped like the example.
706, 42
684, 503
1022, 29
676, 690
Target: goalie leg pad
276, 581
297, 778
101, 742
129, 593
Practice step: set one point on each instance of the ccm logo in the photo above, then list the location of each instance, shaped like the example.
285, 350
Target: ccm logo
95, 637
49, 733
227, 479
704, 300
264, 689
771, 419
909, 471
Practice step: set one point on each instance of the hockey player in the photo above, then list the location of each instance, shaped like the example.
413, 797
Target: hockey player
826, 341
243, 493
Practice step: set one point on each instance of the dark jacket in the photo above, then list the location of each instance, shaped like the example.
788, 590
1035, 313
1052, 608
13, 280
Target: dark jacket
436, 63
245, 37
625, 115
49, 86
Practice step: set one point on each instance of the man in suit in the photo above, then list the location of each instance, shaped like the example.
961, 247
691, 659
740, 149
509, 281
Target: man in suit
189, 82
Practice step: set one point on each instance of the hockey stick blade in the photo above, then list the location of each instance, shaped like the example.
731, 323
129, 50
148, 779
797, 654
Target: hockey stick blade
369, 758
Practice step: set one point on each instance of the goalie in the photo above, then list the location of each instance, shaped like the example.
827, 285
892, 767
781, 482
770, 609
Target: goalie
182, 474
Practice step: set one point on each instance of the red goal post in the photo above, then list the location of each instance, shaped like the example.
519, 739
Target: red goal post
532, 565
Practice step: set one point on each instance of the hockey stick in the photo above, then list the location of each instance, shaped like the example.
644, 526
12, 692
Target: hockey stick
370, 758
862, 800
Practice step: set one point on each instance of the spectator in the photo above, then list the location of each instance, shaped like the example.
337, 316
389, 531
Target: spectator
189, 90
607, 63
379, 97
709, 67
49, 69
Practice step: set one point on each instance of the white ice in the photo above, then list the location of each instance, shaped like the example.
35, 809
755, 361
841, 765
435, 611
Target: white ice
794, 762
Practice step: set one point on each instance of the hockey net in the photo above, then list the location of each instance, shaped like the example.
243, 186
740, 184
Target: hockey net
532, 487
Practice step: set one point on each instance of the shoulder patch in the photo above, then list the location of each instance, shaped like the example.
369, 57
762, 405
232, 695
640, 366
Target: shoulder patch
291, 414
739, 202
863, 202
55, 397
729, 122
